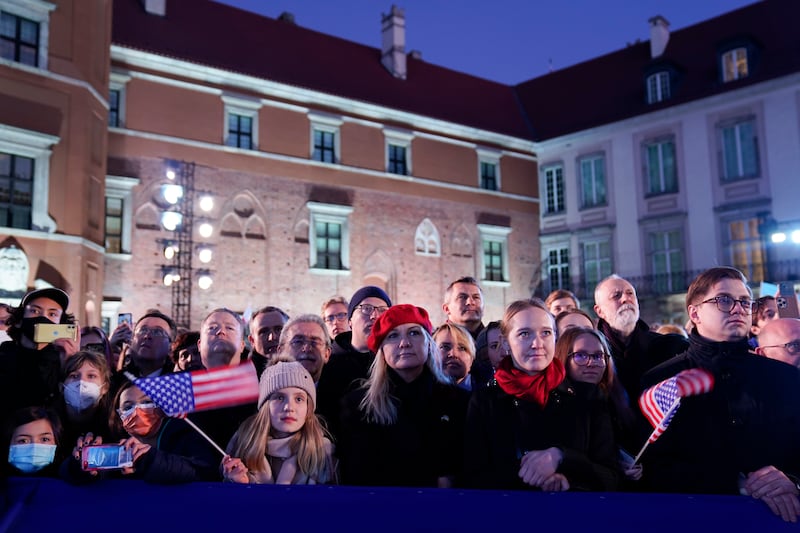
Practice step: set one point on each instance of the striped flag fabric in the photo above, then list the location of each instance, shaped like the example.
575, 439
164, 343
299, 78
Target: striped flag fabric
202, 390
660, 402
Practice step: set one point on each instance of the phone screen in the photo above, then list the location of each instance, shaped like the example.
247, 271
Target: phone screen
106, 457
126, 318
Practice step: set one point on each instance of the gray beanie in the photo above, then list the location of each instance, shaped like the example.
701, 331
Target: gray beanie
365, 292
285, 374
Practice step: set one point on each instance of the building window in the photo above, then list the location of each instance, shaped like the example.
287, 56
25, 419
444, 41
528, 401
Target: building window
666, 262
489, 169
558, 268
329, 236
660, 168
240, 131
596, 263
494, 241
119, 213
24, 31
114, 210
397, 160
16, 191
747, 248
19, 39
398, 151
554, 189
25, 179
658, 87
488, 176
593, 181
325, 142
426, 239
241, 122
739, 145
734, 64
114, 98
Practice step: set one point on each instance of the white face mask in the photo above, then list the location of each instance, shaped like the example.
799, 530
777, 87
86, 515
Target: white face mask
31, 457
81, 395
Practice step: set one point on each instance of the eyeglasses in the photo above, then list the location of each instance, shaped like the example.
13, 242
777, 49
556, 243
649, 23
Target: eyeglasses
367, 309
792, 347
125, 413
299, 342
152, 332
726, 303
583, 358
338, 317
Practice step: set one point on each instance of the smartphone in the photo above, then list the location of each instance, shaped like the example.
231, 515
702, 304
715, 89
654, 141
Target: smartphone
125, 318
105, 457
787, 301
51, 332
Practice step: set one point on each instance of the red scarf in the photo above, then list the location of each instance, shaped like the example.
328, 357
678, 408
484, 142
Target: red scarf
522, 385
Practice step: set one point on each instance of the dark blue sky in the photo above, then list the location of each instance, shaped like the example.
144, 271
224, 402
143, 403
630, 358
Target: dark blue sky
502, 40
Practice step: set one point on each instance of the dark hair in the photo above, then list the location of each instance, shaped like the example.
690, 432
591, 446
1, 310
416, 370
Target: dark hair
264, 310
26, 415
759, 314
469, 280
14, 321
155, 313
187, 339
86, 330
702, 284
563, 314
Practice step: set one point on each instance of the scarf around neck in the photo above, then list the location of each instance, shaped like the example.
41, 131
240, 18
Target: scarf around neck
286, 475
523, 386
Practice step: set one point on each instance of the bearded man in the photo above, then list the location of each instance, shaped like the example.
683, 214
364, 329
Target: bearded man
634, 348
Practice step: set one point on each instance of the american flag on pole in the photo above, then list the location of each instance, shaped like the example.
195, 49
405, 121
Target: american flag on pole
186, 392
659, 402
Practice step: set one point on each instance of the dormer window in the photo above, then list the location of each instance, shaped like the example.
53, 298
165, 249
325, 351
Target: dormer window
734, 64
658, 87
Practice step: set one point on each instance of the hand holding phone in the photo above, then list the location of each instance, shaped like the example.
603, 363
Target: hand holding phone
125, 318
46, 333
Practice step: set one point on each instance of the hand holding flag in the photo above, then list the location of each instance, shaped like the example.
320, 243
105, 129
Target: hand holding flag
659, 402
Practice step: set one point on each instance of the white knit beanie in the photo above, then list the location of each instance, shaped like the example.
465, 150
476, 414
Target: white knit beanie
285, 374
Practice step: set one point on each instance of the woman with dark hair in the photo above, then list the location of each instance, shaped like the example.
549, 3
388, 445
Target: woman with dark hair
96, 340
535, 427
31, 443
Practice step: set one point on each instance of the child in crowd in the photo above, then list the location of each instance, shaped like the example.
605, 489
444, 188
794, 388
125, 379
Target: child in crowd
284, 443
32, 440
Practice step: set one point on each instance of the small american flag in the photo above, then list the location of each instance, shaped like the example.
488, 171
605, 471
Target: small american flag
186, 392
659, 402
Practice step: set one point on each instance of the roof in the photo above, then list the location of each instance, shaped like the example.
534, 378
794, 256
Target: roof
612, 87
228, 38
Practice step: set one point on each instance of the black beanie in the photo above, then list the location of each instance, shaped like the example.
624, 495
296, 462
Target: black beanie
365, 292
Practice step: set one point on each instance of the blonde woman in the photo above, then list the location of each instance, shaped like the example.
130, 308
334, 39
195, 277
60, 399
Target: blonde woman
404, 426
457, 353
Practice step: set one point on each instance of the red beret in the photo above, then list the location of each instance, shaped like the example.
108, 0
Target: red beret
395, 316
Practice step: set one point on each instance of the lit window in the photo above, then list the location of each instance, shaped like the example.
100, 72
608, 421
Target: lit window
734, 64
558, 268
494, 241
746, 248
329, 236
119, 213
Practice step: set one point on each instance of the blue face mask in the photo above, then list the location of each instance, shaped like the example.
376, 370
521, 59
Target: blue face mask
31, 457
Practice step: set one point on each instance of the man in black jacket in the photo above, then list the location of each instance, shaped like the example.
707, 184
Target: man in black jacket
744, 435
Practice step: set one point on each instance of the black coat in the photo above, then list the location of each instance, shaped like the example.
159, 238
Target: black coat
422, 445
501, 429
28, 377
644, 350
749, 420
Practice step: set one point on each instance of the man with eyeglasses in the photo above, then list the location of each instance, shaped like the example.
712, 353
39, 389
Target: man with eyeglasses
350, 358
743, 436
266, 326
334, 313
305, 339
149, 351
780, 340
635, 349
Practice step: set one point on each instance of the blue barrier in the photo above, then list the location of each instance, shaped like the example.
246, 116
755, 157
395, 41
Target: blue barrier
122, 506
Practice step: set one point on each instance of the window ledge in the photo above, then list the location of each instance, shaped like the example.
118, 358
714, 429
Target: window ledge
328, 272
487, 283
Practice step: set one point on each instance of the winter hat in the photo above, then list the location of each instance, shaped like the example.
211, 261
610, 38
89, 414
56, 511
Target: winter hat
57, 295
285, 374
393, 317
365, 292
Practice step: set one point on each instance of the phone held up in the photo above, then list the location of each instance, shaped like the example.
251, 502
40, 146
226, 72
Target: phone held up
787, 301
51, 332
106, 457
125, 318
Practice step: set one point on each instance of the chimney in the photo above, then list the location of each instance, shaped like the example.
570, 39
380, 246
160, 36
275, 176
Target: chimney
287, 17
659, 35
393, 53
155, 7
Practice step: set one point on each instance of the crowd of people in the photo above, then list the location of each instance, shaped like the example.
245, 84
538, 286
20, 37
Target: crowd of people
370, 393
